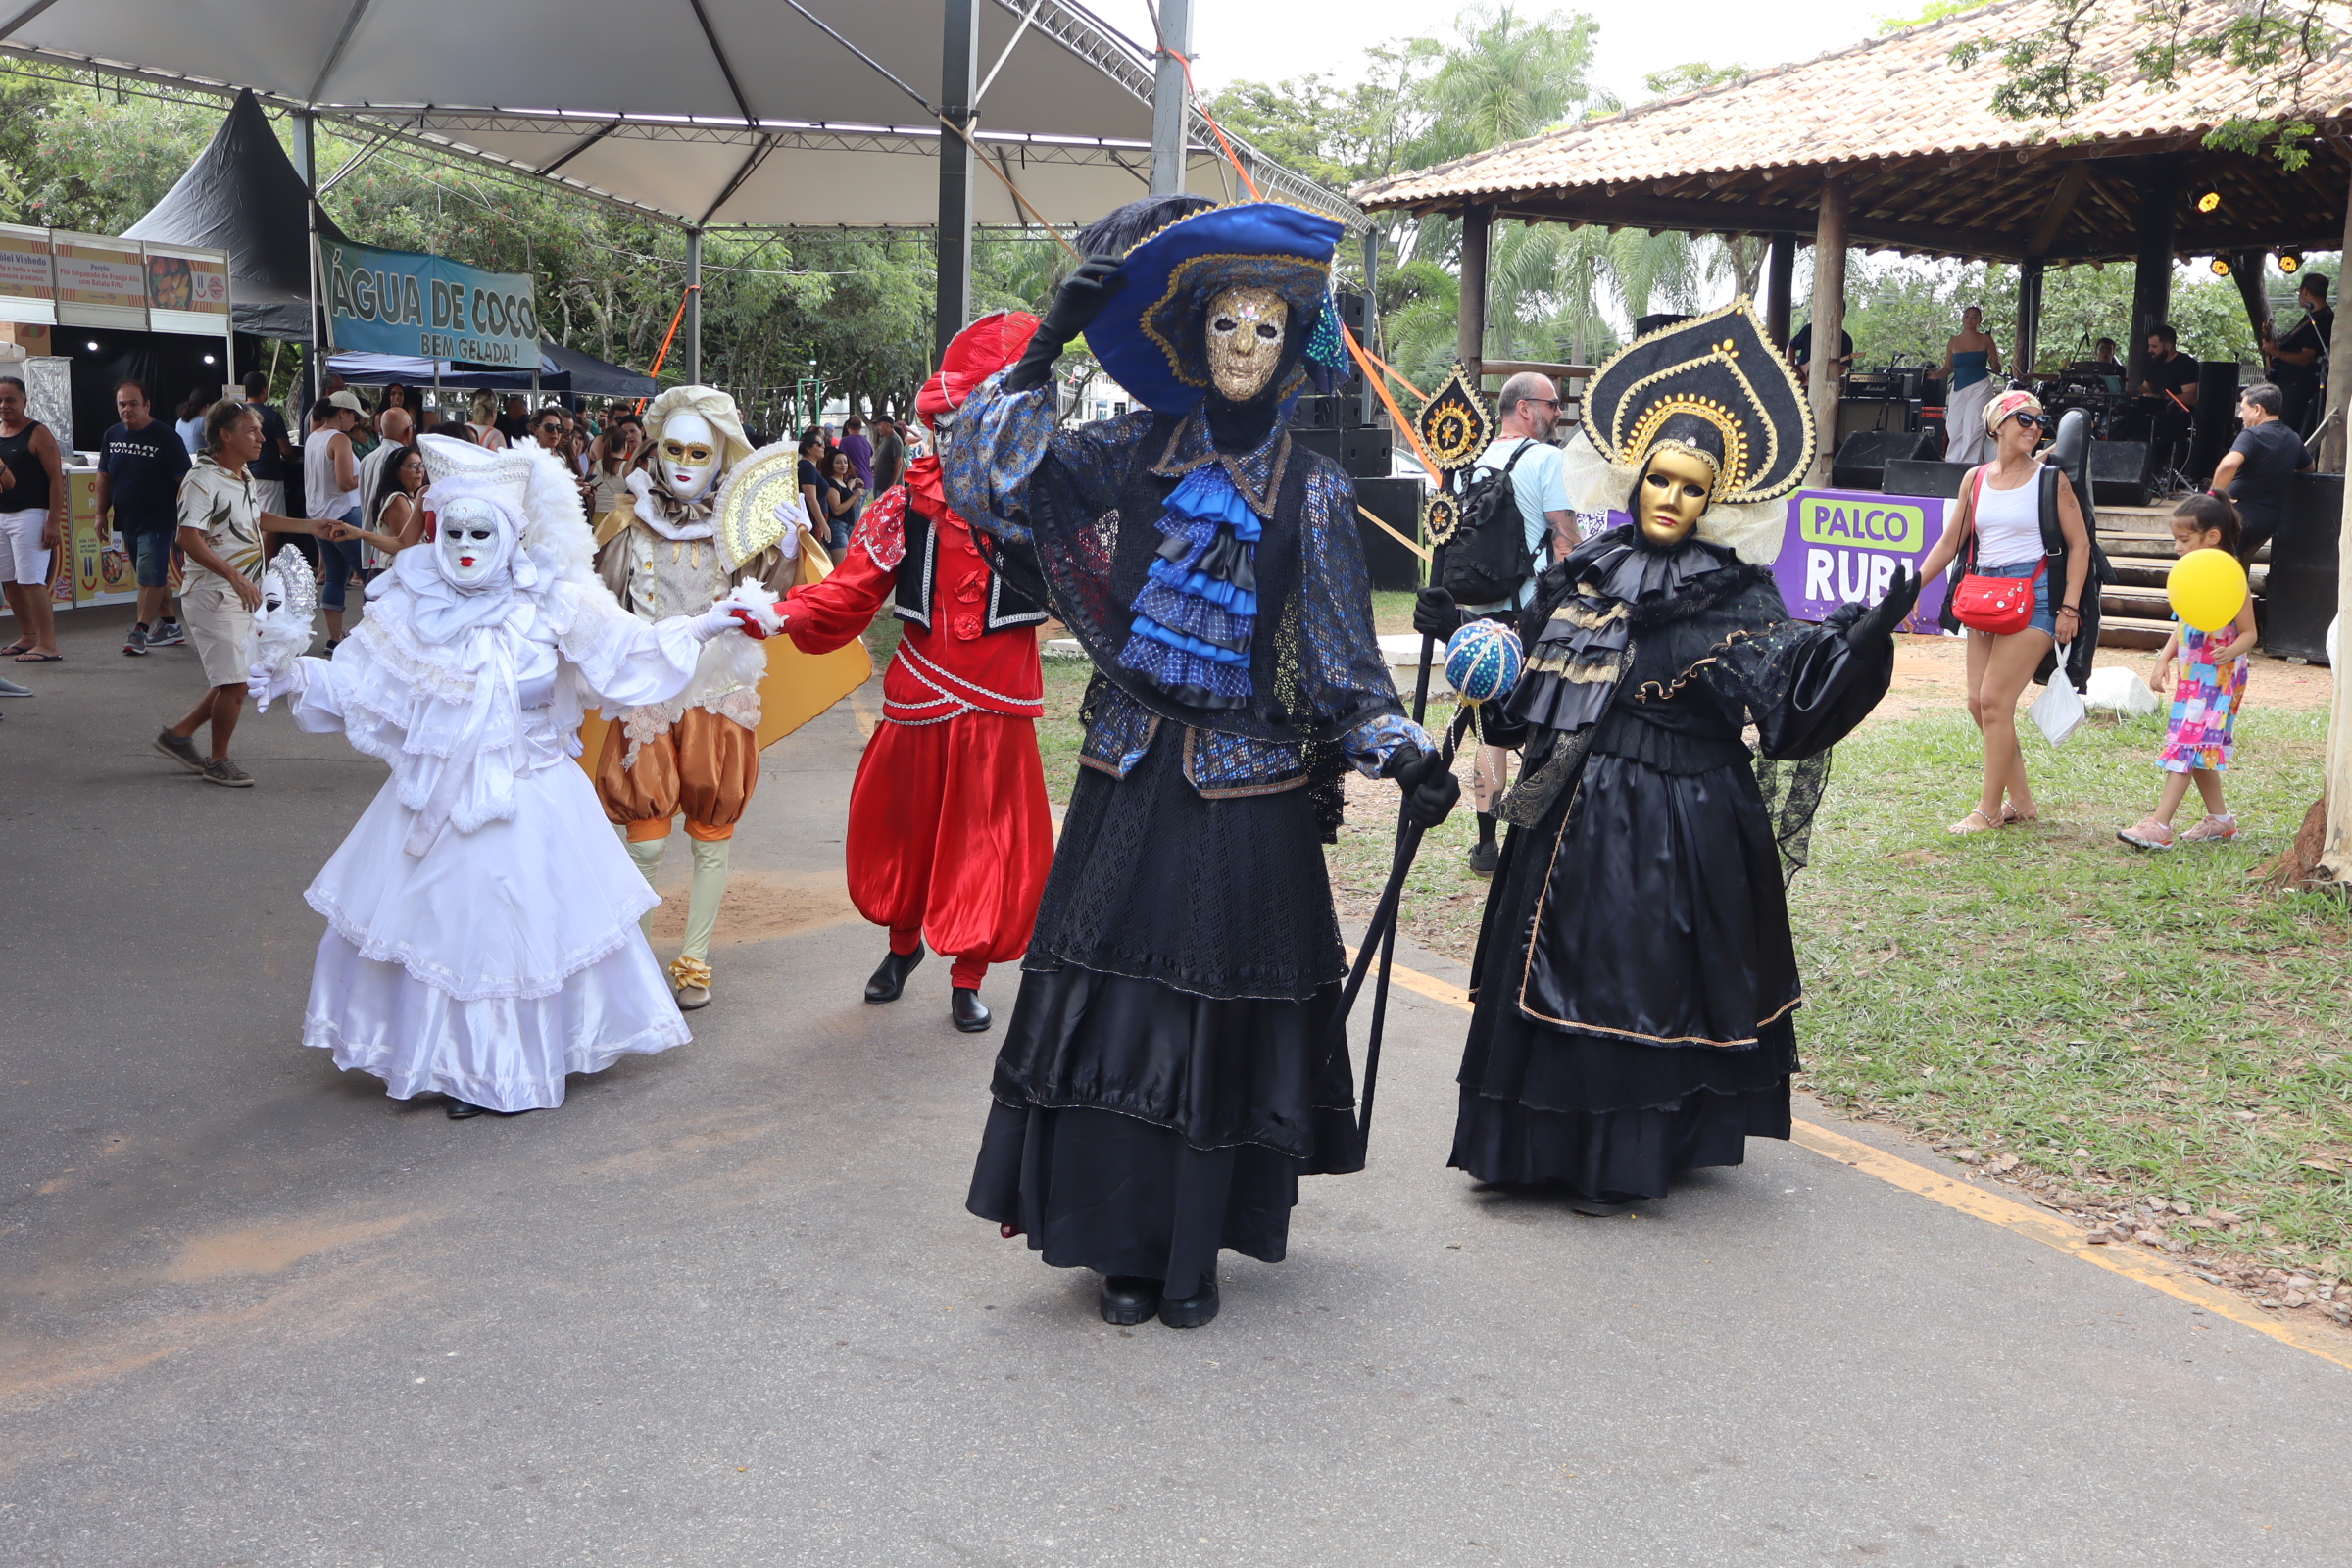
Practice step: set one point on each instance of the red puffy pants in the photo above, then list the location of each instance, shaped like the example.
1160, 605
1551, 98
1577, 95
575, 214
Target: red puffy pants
950, 838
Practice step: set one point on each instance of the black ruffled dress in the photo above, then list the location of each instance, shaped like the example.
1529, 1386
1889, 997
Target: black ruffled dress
1167, 1073
1635, 984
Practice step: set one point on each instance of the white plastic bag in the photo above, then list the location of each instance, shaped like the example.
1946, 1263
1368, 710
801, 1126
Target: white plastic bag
2120, 691
2058, 710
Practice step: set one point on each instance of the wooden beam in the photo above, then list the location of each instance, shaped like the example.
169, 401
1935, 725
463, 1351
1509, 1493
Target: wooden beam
1747, 217
1470, 334
1829, 322
2063, 197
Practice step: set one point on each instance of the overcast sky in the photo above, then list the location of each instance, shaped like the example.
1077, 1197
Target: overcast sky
1266, 41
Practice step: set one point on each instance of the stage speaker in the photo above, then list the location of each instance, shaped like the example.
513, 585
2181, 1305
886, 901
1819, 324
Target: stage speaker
1329, 412
2214, 425
2120, 471
1862, 458
1361, 451
2300, 598
1873, 415
1396, 503
1352, 312
1909, 476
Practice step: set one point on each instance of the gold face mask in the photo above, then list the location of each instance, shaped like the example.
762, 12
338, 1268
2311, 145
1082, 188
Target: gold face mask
1674, 495
1245, 326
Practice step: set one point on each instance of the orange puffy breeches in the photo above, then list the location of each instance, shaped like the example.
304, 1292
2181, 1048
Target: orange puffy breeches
703, 767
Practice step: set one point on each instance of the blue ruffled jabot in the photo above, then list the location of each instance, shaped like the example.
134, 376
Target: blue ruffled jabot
1198, 609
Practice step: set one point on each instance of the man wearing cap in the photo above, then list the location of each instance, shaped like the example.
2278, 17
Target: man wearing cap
330, 488
950, 833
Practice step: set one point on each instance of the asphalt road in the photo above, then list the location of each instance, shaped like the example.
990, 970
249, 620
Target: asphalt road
725, 1308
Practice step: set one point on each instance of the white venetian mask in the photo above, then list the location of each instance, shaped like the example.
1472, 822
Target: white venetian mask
689, 456
1245, 340
467, 539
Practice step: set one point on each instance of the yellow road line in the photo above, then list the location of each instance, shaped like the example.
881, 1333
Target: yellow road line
2010, 1214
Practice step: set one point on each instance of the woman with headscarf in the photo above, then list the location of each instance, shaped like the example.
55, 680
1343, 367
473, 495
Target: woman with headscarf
1170, 1072
1635, 984
482, 938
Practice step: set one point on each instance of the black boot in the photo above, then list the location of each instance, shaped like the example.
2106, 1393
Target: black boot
1483, 854
964, 1007
891, 979
1193, 1310
460, 1110
1128, 1299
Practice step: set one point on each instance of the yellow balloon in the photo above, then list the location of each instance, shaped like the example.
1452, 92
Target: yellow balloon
2206, 588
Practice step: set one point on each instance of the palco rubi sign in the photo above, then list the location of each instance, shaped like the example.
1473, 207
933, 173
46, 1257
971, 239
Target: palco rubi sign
1842, 547
407, 303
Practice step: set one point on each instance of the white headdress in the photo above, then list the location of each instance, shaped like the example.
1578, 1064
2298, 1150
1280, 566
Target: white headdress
712, 405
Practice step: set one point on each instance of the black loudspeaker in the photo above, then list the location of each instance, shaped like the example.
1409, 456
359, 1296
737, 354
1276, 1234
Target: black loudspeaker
1331, 412
1862, 458
1396, 503
2300, 599
1362, 451
2214, 425
2120, 472
1908, 477
1351, 310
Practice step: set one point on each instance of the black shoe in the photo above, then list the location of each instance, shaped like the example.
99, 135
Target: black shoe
891, 979
1192, 1310
1483, 859
461, 1110
1128, 1299
1599, 1208
964, 1007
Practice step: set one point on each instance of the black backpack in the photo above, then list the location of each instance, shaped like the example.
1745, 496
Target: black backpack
1489, 562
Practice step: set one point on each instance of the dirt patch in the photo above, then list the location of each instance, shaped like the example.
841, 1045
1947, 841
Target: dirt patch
760, 908
271, 1249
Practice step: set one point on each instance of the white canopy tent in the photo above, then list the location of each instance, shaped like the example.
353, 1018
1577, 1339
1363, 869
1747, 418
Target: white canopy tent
710, 114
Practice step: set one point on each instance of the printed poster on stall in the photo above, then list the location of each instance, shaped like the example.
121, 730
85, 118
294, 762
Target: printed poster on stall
108, 273
28, 286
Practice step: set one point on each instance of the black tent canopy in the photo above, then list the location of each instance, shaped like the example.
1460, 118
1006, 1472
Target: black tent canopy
243, 196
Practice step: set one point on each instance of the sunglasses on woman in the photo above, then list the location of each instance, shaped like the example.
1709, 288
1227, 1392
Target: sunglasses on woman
2032, 421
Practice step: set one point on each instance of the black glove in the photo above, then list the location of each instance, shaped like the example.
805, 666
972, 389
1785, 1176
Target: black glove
1430, 787
1877, 624
1435, 613
1081, 299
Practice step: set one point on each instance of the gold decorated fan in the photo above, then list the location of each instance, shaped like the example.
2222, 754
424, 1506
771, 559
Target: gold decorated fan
1454, 426
760, 499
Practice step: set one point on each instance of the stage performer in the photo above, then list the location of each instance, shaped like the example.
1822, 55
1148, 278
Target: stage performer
1635, 986
1167, 1074
696, 754
482, 938
950, 831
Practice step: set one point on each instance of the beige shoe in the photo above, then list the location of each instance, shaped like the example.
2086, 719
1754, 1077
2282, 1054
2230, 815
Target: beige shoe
690, 983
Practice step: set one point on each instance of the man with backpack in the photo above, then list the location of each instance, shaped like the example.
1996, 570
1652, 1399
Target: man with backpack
1515, 521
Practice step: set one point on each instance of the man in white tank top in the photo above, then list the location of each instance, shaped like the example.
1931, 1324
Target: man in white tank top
330, 488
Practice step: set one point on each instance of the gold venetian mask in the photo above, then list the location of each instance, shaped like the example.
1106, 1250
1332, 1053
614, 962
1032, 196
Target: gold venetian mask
1245, 327
1675, 491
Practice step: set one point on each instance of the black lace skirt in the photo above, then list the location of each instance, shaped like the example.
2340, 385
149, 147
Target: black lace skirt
1655, 913
1223, 899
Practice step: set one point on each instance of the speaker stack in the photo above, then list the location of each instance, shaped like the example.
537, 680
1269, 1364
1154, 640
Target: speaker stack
2121, 472
1862, 458
1924, 477
2299, 600
1396, 503
2213, 425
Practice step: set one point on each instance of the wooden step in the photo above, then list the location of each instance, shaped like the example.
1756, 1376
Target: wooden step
2135, 605
2117, 631
2155, 575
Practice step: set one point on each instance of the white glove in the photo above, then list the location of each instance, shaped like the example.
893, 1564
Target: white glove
794, 516
719, 617
268, 682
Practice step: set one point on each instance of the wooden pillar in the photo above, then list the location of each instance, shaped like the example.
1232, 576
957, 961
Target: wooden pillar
1780, 278
2028, 342
1470, 339
2336, 849
2152, 277
2246, 271
1829, 322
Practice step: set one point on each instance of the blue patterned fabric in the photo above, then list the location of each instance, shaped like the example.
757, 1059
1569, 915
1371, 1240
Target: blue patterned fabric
1326, 352
1195, 617
1119, 730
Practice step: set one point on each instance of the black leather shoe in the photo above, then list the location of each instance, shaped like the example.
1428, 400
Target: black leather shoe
1599, 1208
891, 979
1192, 1310
1484, 857
460, 1110
964, 1007
1128, 1299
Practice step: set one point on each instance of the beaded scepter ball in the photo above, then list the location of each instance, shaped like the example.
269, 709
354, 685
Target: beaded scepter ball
1481, 661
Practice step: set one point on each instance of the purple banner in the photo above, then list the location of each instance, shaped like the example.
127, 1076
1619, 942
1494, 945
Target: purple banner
1843, 548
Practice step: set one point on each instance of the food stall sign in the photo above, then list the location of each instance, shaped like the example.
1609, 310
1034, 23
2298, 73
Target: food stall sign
28, 278
100, 282
187, 290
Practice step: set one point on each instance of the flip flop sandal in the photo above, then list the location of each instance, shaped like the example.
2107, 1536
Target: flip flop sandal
15, 648
40, 658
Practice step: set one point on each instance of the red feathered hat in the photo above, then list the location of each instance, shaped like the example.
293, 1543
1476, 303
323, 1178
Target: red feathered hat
979, 351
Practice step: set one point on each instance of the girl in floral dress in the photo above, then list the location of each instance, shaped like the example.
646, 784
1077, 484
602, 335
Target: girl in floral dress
2207, 694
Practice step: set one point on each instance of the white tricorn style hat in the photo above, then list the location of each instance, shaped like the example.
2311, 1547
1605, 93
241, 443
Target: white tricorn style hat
712, 405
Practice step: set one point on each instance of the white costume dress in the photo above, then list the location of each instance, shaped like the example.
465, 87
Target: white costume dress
482, 933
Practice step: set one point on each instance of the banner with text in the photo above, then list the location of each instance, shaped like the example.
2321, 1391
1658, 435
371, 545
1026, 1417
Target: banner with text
1843, 548
403, 302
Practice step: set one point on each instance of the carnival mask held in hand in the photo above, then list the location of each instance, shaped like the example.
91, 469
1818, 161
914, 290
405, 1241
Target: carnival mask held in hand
690, 455
1672, 495
1245, 327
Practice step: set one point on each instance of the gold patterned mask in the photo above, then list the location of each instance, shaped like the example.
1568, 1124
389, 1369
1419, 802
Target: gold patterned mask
1246, 328
1673, 492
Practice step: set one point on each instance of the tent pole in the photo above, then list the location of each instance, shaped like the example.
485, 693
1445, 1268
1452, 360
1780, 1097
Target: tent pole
305, 164
1169, 98
1829, 323
959, 58
694, 307
1371, 400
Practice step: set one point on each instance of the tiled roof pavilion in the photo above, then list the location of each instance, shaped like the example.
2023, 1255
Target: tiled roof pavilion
1927, 166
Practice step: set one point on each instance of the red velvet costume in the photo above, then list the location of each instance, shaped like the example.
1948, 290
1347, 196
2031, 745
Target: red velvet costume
949, 835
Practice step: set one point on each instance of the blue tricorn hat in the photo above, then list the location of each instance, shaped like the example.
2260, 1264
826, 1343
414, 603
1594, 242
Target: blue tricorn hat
1151, 335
